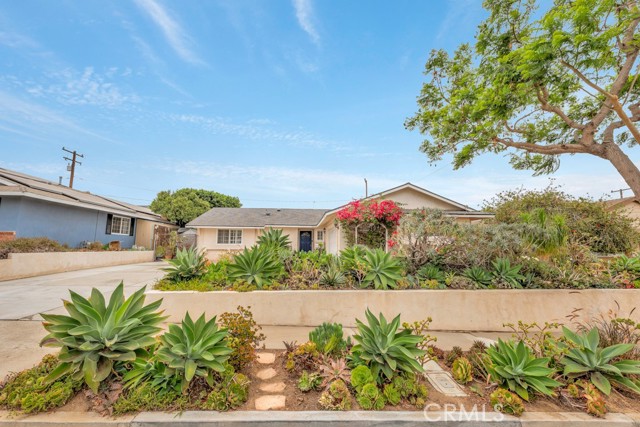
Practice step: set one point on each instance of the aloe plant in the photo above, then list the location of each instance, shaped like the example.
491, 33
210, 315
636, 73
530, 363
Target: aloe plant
384, 349
187, 264
384, 271
194, 349
274, 238
513, 366
255, 266
95, 335
588, 359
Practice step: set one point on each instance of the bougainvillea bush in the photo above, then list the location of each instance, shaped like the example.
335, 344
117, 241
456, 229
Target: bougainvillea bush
369, 222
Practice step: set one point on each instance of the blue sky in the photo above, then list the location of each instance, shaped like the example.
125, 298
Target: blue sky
287, 103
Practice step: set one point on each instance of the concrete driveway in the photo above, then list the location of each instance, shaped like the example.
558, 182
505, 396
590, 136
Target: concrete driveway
22, 300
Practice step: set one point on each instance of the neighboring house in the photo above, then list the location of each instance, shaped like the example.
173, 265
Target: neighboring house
222, 230
630, 206
34, 207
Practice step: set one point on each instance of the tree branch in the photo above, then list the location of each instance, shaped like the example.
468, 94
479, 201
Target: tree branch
543, 96
553, 149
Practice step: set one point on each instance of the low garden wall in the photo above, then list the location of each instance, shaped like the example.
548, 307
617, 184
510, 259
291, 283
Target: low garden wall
451, 310
19, 265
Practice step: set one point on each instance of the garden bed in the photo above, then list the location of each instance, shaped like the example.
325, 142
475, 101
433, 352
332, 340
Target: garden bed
451, 310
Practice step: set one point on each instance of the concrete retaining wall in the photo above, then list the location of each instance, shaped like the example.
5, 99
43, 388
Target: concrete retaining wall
29, 265
451, 310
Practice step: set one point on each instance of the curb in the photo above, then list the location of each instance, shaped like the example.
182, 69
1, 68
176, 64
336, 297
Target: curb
318, 419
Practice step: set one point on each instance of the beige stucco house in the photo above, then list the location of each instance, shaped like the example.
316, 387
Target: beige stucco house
221, 230
629, 206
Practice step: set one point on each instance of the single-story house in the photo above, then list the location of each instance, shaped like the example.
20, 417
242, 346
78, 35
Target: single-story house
222, 230
629, 206
35, 207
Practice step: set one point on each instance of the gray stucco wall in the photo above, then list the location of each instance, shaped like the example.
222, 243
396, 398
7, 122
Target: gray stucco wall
66, 224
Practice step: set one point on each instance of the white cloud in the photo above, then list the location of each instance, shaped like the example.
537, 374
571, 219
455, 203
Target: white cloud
304, 14
85, 88
179, 40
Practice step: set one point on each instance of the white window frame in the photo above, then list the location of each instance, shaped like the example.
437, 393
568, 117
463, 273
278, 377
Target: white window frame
229, 236
320, 235
118, 224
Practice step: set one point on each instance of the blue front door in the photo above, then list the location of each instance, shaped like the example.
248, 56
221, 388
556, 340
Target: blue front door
305, 241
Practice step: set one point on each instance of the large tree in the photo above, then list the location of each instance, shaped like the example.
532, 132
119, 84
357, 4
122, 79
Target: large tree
538, 84
186, 204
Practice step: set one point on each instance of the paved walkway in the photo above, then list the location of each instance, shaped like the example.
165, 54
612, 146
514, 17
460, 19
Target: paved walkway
22, 300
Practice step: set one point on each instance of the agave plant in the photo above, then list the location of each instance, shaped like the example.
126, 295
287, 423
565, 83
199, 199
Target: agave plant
274, 238
187, 264
352, 257
625, 263
506, 273
587, 359
95, 335
194, 349
147, 368
431, 272
478, 275
383, 270
384, 349
255, 266
513, 366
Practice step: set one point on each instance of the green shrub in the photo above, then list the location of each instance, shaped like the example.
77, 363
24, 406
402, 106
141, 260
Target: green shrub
328, 338
95, 335
244, 337
30, 245
188, 264
27, 392
383, 271
513, 367
588, 359
194, 349
386, 350
254, 266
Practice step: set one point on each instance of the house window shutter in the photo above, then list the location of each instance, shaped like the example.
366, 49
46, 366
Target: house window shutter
132, 226
109, 219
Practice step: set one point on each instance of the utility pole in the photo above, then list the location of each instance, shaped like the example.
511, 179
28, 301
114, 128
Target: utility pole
72, 167
366, 188
620, 190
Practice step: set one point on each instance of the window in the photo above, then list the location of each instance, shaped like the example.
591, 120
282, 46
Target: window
120, 225
229, 237
320, 235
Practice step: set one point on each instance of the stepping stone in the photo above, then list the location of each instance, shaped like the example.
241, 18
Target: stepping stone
267, 403
445, 384
272, 387
266, 358
266, 374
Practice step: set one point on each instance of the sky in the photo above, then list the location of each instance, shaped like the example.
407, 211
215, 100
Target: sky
283, 103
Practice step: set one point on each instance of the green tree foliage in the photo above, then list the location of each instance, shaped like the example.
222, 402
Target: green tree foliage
537, 85
186, 204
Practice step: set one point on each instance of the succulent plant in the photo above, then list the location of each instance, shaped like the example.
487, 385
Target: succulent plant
411, 388
453, 354
514, 367
361, 376
383, 271
328, 338
391, 394
309, 381
478, 275
332, 370
256, 266
95, 335
333, 276
431, 272
194, 349
462, 370
507, 274
337, 397
187, 264
588, 359
274, 238
370, 397
507, 402
147, 368
386, 350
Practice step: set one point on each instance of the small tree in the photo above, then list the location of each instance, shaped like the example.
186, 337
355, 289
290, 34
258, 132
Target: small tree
187, 204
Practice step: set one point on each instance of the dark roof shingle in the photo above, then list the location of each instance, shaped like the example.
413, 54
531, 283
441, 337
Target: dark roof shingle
258, 217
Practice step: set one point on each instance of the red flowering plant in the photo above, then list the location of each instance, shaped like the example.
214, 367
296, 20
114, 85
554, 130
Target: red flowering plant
374, 219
